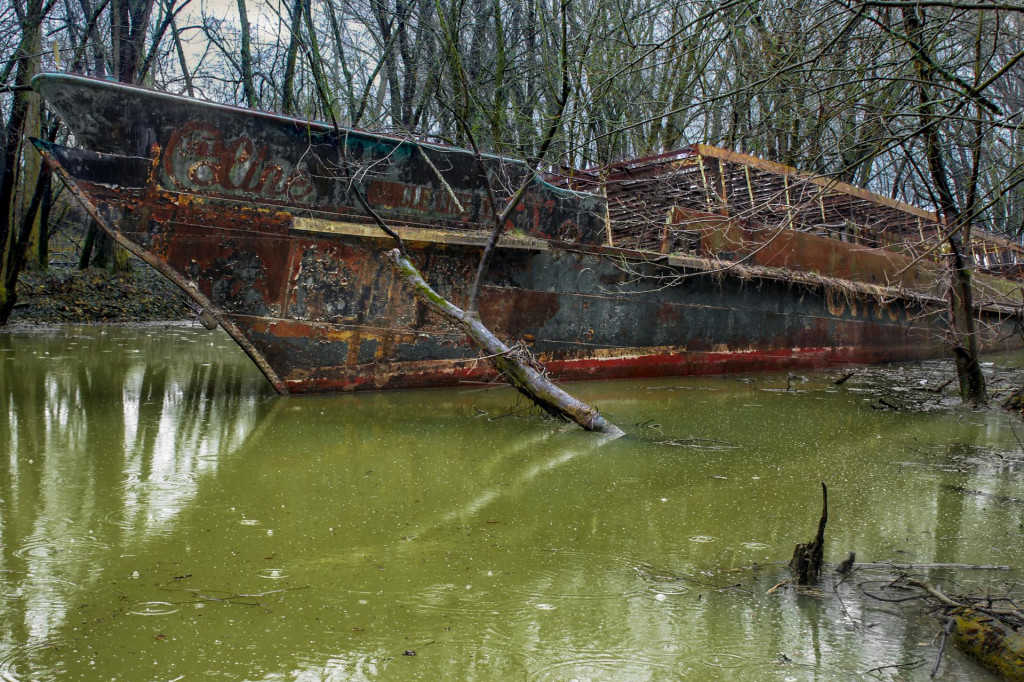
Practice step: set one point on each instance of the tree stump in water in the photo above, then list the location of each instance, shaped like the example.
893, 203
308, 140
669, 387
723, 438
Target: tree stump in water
808, 557
847, 565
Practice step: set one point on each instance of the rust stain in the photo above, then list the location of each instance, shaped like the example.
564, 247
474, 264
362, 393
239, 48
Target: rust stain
212, 200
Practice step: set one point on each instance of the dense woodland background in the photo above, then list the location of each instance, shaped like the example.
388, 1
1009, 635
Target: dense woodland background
918, 101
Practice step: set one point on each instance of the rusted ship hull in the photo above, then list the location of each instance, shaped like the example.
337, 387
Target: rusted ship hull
294, 272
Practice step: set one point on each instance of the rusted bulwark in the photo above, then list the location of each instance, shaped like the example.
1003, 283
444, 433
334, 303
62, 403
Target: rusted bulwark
216, 151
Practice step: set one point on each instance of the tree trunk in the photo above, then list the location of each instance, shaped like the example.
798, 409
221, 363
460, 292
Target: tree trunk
87, 244
45, 212
316, 65
182, 59
31, 166
343, 64
15, 257
288, 85
245, 59
964, 330
129, 22
962, 327
515, 364
106, 253
11, 175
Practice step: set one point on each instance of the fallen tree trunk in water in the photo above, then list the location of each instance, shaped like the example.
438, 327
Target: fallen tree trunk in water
992, 642
991, 635
515, 364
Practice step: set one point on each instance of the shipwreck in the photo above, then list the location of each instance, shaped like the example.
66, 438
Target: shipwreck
695, 262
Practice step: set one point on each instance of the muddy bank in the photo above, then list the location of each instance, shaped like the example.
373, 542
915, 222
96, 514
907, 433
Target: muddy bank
931, 385
68, 295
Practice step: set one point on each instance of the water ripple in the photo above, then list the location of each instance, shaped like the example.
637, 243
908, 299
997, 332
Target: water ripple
273, 573
16, 662
597, 666
545, 576
153, 608
44, 590
38, 547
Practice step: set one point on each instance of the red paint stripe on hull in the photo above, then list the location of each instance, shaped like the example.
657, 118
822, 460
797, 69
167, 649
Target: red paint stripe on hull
452, 374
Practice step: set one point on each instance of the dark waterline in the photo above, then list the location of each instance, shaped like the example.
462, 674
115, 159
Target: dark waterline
165, 516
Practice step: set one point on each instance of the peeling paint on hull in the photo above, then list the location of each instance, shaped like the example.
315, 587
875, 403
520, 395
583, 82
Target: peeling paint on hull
270, 249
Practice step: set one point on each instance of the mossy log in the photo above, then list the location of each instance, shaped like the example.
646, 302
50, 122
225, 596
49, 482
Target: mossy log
514, 364
993, 643
990, 634
1015, 402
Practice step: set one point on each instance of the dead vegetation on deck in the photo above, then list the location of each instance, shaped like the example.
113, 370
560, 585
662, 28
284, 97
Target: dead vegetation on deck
703, 200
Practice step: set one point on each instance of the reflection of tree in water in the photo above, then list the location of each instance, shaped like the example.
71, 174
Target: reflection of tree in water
976, 482
108, 433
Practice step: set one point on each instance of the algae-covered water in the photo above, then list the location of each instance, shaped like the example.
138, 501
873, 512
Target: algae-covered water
165, 516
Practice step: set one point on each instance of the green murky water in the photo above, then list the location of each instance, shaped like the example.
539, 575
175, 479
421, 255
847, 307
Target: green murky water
164, 516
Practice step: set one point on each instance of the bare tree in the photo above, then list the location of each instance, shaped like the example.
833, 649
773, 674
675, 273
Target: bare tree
21, 182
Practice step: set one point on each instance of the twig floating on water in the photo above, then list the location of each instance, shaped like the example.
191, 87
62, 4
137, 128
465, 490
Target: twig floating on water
947, 628
700, 443
843, 379
915, 567
912, 664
